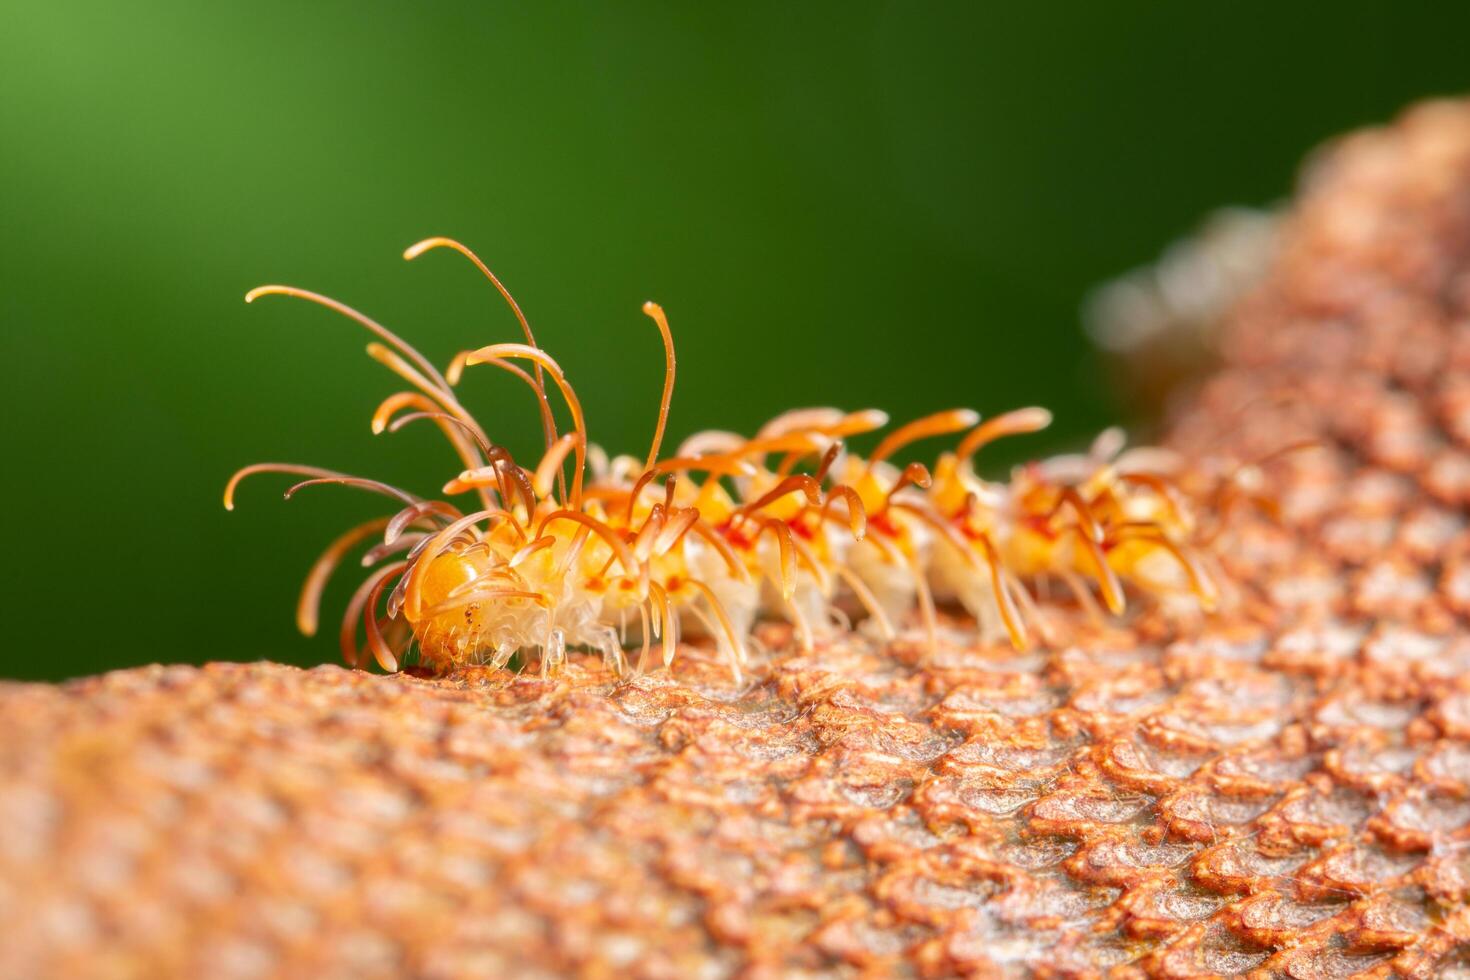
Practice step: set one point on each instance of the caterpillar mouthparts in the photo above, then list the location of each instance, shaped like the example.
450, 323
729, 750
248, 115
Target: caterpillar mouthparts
790, 523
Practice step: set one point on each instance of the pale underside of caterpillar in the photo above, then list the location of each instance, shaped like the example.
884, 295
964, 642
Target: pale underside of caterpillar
583, 551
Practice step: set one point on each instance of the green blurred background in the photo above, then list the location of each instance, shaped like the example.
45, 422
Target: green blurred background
851, 203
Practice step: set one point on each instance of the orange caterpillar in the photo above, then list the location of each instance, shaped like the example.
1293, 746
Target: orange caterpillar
581, 548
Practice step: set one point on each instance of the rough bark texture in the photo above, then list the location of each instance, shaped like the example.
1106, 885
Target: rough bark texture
1284, 788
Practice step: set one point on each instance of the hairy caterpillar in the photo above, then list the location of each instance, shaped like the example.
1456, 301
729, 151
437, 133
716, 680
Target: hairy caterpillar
788, 523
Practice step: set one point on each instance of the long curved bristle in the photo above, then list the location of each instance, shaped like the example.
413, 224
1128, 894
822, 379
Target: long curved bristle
666, 620
318, 474
1200, 583
732, 637
800, 483
383, 549
800, 420
1087, 521
808, 560
377, 644
824, 465
825, 421
526, 551
550, 466
416, 512
1004, 601
710, 441
347, 636
857, 514
1015, 422
786, 552
360, 483
913, 475
516, 481
656, 313
1102, 572
498, 352
548, 425
383, 332
856, 423
938, 424
308, 606
679, 525
440, 417
644, 479
419, 248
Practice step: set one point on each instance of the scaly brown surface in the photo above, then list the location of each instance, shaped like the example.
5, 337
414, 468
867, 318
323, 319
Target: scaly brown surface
1284, 789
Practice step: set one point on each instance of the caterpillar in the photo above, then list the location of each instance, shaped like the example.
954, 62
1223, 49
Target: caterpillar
791, 523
